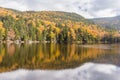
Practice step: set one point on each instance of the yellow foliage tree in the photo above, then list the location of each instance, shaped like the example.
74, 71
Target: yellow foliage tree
2, 30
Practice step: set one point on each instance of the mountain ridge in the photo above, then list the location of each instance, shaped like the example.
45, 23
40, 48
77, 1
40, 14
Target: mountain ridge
108, 22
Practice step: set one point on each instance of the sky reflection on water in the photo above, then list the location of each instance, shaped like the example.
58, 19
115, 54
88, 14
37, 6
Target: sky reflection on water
88, 71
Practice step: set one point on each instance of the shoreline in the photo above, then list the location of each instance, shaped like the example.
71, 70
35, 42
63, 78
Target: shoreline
76, 42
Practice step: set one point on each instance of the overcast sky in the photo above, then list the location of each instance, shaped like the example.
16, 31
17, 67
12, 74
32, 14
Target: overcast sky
86, 8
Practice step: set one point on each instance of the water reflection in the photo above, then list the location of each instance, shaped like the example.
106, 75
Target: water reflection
88, 71
55, 56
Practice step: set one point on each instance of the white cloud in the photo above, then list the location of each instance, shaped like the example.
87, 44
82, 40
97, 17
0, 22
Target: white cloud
87, 8
12, 4
105, 13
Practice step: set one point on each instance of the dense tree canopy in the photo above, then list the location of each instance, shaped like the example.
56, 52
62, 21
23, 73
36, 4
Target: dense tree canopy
52, 27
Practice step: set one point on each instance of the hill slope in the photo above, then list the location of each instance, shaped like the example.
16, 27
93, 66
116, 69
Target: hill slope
111, 23
52, 26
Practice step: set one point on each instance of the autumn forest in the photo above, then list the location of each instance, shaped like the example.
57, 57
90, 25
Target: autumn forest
52, 26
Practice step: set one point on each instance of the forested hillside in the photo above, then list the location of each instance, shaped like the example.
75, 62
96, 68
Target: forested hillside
51, 26
109, 23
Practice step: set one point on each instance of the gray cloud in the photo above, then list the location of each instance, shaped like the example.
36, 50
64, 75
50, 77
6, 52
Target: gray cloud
103, 4
86, 8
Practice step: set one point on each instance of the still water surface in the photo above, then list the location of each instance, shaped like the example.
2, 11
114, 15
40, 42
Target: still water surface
59, 62
56, 56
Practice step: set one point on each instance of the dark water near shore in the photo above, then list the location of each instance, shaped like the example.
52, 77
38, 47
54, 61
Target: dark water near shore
56, 56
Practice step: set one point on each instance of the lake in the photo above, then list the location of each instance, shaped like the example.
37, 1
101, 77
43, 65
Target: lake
59, 61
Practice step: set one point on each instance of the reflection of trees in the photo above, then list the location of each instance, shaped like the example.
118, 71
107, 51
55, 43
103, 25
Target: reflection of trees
46, 56
10, 49
2, 52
